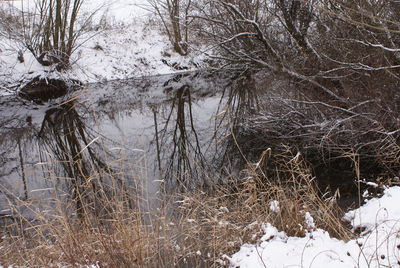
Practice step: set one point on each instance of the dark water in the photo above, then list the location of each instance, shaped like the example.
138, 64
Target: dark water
153, 135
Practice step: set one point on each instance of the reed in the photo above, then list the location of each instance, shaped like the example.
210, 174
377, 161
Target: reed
191, 229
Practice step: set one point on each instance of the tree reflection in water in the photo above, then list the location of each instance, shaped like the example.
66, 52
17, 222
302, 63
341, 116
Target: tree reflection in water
185, 158
65, 141
179, 152
185, 141
238, 101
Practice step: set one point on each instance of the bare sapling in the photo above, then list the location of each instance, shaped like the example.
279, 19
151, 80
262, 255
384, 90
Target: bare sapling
50, 30
175, 18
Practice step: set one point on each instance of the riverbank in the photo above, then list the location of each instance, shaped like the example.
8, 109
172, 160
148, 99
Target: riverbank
123, 41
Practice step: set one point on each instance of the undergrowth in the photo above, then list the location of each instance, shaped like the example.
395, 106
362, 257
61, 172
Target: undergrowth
192, 229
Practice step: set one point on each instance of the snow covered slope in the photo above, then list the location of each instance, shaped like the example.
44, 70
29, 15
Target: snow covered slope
125, 40
377, 246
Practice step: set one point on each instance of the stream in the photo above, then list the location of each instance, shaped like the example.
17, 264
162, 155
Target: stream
149, 135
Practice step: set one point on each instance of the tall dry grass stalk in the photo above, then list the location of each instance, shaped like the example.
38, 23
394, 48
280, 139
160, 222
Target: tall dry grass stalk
193, 229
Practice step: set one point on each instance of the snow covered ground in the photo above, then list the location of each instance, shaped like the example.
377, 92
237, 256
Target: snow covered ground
126, 40
377, 246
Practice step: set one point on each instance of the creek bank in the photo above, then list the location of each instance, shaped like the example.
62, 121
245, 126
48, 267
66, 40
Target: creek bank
43, 89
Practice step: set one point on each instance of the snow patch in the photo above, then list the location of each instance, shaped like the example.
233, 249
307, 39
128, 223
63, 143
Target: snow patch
377, 246
274, 206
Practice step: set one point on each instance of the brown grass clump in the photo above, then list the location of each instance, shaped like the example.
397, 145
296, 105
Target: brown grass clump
234, 213
189, 230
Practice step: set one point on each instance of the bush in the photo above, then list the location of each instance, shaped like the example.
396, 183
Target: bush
47, 28
175, 17
327, 76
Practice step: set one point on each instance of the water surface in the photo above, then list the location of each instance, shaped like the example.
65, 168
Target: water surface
155, 134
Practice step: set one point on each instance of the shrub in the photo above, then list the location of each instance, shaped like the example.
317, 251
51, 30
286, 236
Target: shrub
174, 15
50, 30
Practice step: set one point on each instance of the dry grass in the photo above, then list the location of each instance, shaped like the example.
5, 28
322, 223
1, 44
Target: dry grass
189, 230
235, 212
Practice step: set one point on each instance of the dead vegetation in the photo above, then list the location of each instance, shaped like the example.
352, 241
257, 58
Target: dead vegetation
188, 230
330, 137
320, 76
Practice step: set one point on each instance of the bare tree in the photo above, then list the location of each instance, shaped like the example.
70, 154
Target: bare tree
336, 64
50, 31
323, 45
174, 15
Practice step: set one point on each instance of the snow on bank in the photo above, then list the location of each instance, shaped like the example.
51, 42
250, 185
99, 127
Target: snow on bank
377, 246
126, 40
132, 45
